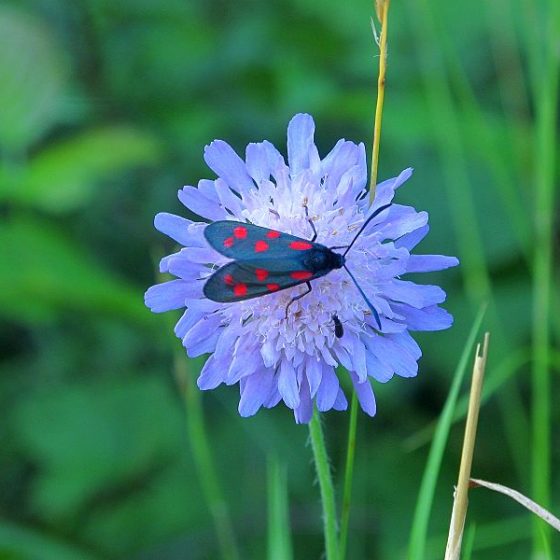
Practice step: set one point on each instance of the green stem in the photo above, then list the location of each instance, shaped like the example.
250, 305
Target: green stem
279, 537
203, 459
382, 8
348, 474
326, 486
546, 101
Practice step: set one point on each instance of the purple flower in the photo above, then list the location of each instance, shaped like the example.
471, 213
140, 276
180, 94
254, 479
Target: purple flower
294, 359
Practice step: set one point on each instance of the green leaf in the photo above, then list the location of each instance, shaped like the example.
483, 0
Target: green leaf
96, 437
63, 176
42, 273
151, 516
22, 543
32, 78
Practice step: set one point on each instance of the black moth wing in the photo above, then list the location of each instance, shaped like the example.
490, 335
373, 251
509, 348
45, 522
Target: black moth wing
243, 241
241, 280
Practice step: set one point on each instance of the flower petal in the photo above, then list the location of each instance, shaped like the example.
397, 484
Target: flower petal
430, 263
222, 159
376, 369
257, 162
196, 309
169, 295
265, 161
365, 395
210, 376
202, 255
201, 330
228, 199
416, 295
206, 345
395, 356
196, 202
175, 227
397, 223
225, 346
313, 371
304, 411
342, 159
186, 269
328, 390
302, 152
274, 398
340, 402
385, 191
407, 343
288, 384
359, 359
255, 390
410, 240
270, 354
432, 318
245, 361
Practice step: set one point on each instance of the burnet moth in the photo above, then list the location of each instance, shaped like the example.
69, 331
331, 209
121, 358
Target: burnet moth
267, 261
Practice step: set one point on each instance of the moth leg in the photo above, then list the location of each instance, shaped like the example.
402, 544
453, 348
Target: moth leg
311, 224
309, 288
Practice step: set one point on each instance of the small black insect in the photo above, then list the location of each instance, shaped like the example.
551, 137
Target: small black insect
338, 329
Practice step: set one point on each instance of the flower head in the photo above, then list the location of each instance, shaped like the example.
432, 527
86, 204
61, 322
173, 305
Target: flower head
292, 355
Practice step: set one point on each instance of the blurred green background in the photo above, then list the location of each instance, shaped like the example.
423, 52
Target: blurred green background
105, 107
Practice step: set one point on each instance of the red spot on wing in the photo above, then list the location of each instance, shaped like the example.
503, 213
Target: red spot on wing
240, 232
301, 275
300, 245
228, 279
272, 287
240, 289
272, 234
228, 242
261, 274
261, 246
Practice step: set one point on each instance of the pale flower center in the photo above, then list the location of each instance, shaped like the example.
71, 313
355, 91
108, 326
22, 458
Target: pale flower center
309, 327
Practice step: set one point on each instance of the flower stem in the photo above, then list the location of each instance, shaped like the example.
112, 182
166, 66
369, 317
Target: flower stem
203, 459
326, 486
348, 474
382, 9
279, 536
459, 513
425, 500
545, 66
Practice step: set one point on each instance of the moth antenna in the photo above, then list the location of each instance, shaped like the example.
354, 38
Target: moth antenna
364, 225
371, 308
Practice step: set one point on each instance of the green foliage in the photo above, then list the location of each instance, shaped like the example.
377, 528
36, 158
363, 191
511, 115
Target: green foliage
63, 176
20, 543
101, 436
50, 273
33, 70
